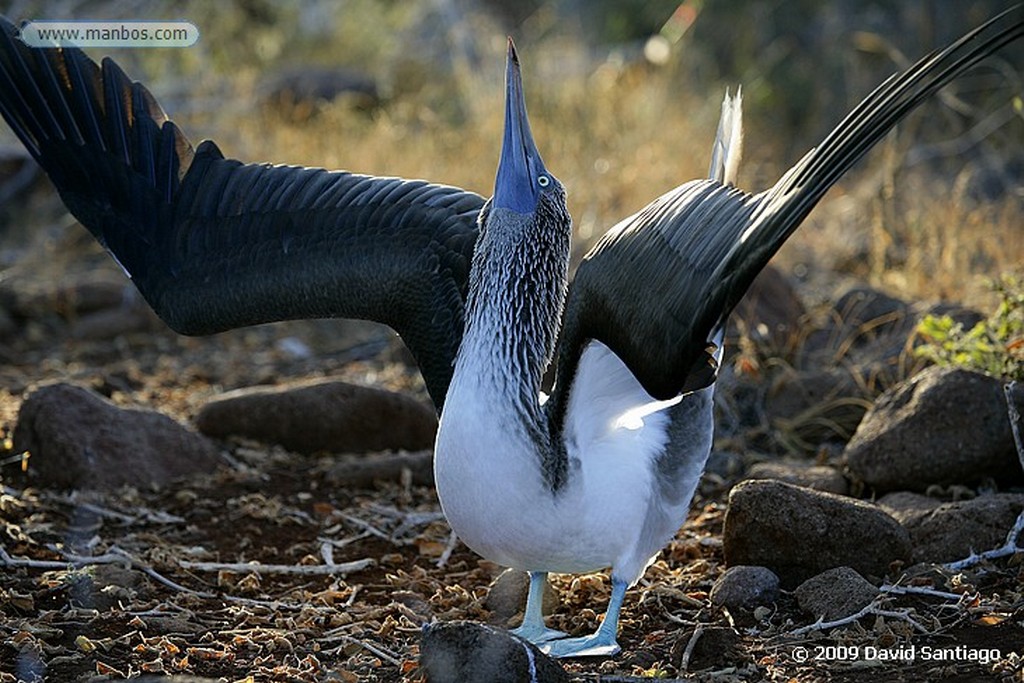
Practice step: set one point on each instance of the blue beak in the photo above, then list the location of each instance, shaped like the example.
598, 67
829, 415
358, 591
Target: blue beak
515, 186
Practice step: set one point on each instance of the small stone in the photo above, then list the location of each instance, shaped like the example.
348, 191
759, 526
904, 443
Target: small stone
507, 596
907, 507
798, 532
415, 602
78, 439
460, 651
363, 471
744, 588
716, 646
321, 416
943, 426
818, 477
835, 594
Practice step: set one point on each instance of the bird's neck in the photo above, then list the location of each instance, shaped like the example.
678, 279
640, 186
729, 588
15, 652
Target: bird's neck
516, 294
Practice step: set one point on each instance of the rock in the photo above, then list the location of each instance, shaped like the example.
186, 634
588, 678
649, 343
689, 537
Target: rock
363, 471
867, 312
507, 596
817, 477
321, 416
744, 588
812, 406
771, 311
80, 440
797, 532
946, 532
416, 604
907, 507
861, 316
871, 332
835, 594
105, 586
460, 651
716, 646
112, 322
74, 297
943, 426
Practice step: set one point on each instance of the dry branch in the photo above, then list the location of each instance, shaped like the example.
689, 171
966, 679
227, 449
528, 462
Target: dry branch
874, 608
293, 569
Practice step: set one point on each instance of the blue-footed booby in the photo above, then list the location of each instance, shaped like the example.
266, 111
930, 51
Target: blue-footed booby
598, 475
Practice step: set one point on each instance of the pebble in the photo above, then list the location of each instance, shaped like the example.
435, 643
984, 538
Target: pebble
835, 594
818, 477
745, 588
506, 596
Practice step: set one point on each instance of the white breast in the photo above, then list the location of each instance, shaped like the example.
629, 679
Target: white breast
489, 479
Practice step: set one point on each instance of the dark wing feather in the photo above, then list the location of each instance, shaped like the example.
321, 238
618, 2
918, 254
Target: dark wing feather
637, 290
214, 244
659, 285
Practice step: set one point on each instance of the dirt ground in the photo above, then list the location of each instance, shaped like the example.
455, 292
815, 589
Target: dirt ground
241, 575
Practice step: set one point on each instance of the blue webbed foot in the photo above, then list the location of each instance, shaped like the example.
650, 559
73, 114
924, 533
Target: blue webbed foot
600, 644
533, 628
537, 634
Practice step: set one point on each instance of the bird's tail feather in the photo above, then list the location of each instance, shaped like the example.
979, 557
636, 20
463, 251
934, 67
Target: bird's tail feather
787, 203
728, 148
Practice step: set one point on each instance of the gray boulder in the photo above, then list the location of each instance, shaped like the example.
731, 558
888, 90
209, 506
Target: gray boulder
946, 532
943, 426
80, 440
798, 532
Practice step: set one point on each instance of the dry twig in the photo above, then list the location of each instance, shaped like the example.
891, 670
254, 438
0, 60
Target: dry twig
293, 569
874, 607
684, 662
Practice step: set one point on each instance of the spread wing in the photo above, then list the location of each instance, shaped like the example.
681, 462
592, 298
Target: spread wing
213, 243
660, 284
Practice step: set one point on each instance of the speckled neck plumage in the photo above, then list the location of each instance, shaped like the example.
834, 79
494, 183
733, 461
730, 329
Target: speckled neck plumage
517, 292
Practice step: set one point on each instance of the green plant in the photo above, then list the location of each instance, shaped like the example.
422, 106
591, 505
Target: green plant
994, 346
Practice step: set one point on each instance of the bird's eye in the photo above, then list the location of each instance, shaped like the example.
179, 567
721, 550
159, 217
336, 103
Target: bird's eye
543, 181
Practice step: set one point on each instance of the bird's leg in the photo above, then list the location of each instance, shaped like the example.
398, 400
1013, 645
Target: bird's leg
533, 628
602, 643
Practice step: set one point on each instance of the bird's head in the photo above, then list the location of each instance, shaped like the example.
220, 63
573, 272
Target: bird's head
522, 183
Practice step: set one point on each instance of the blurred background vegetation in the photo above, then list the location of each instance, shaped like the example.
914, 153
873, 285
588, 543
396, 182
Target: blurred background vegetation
624, 98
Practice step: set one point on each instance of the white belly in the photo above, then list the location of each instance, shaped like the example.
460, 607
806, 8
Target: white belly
492, 489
